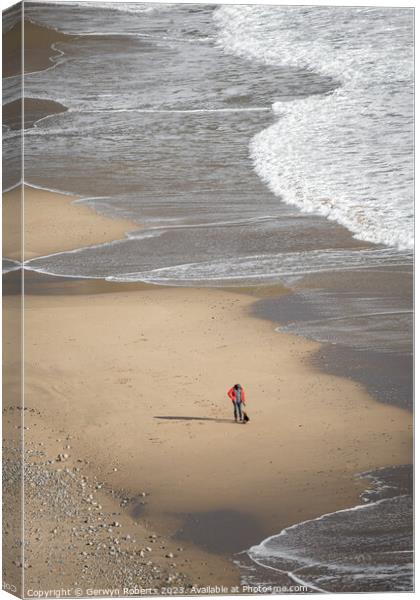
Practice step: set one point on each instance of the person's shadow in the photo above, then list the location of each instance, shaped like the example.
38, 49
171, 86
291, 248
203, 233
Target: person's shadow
181, 418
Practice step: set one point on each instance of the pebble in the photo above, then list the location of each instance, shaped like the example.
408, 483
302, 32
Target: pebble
58, 491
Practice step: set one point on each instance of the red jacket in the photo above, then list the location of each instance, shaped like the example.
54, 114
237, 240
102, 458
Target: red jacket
232, 394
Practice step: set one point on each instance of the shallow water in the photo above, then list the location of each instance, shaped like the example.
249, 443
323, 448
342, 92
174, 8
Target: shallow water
368, 547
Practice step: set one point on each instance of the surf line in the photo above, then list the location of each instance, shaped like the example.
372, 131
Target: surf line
175, 110
290, 574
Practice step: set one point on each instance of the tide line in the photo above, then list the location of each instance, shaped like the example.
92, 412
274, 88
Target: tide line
175, 110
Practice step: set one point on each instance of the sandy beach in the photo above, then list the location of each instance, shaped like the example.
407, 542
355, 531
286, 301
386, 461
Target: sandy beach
159, 378
53, 223
126, 390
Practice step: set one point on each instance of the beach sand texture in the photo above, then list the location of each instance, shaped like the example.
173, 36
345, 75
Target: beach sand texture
132, 387
53, 223
137, 380
148, 372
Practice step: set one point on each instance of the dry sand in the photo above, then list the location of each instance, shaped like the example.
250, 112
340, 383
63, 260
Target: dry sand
131, 385
144, 375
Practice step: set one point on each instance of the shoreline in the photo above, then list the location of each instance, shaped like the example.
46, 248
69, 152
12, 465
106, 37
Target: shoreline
35, 109
53, 223
39, 45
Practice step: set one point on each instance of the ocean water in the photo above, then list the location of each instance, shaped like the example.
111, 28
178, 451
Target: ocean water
252, 145
342, 148
347, 155
367, 547
226, 113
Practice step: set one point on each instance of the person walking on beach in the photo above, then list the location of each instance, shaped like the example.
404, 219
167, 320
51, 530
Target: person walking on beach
237, 395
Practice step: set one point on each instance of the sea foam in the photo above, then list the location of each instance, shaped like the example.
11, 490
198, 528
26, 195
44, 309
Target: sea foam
346, 155
364, 548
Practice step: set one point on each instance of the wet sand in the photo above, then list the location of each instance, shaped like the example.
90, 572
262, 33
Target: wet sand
35, 109
377, 354
38, 48
52, 222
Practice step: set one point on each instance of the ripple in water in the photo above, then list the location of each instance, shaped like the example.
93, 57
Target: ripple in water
365, 548
326, 153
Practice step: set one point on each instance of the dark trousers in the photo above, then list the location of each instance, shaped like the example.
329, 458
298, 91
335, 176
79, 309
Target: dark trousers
237, 410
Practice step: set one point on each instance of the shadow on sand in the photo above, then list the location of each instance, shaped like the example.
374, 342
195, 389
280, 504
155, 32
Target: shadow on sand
221, 531
181, 418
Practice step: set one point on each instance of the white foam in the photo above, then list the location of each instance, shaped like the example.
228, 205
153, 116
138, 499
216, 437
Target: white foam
310, 555
128, 7
265, 267
144, 235
48, 189
348, 155
12, 187
65, 275
263, 550
28, 263
10, 265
